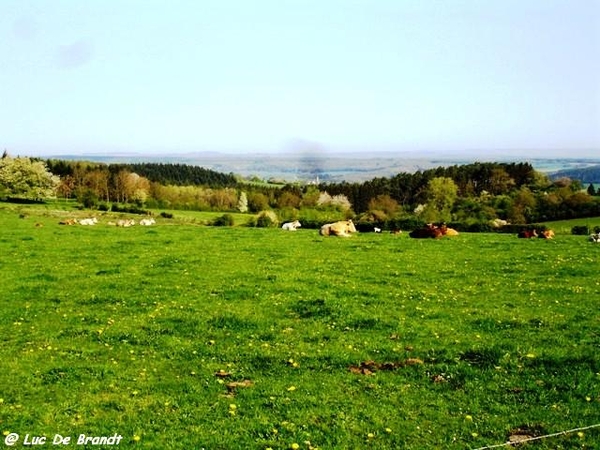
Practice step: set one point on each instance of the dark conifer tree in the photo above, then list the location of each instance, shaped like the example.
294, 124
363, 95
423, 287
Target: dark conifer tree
591, 190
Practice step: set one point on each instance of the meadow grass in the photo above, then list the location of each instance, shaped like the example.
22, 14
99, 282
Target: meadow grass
242, 338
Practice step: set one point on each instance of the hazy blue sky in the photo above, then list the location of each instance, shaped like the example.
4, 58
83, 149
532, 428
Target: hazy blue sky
272, 75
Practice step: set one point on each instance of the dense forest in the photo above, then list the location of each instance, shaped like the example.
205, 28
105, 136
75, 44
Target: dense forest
175, 174
408, 189
471, 196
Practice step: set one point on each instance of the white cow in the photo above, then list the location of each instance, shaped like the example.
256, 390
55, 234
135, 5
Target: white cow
147, 222
595, 238
377, 230
92, 221
343, 228
125, 223
291, 226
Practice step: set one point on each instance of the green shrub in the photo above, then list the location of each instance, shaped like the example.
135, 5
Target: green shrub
267, 219
477, 227
580, 230
408, 223
226, 220
88, 199
131, 209
24, 201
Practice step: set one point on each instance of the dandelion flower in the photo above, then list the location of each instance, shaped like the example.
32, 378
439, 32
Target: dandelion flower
136, 438
294, 446
370, 435
291, 388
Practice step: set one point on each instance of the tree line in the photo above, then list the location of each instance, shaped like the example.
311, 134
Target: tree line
468, 194
471, 193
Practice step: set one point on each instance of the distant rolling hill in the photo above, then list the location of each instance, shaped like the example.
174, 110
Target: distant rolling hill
338, 167
589, 174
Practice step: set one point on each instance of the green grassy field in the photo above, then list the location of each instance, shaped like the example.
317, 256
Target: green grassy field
179, 337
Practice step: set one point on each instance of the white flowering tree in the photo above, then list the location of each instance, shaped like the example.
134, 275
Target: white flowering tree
242, 205
338, 201
24, 178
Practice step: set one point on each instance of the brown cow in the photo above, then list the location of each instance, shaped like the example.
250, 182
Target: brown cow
429, 231
526, 234
448, 231
343, 228
546, 234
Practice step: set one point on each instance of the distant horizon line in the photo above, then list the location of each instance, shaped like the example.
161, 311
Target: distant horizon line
415, 154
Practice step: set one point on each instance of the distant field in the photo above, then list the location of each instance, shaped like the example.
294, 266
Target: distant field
180, 337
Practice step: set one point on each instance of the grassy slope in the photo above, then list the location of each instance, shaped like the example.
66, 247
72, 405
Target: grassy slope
122, 330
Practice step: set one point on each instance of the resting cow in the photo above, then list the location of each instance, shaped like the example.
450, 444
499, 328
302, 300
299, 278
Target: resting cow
92, 221
343, 228
526, 234
546, 234
448, 231
291, 226
429, 231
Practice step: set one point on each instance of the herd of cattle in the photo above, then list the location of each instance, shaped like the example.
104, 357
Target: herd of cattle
433, 231
342, 228
118, 223
543, 234
345, 228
